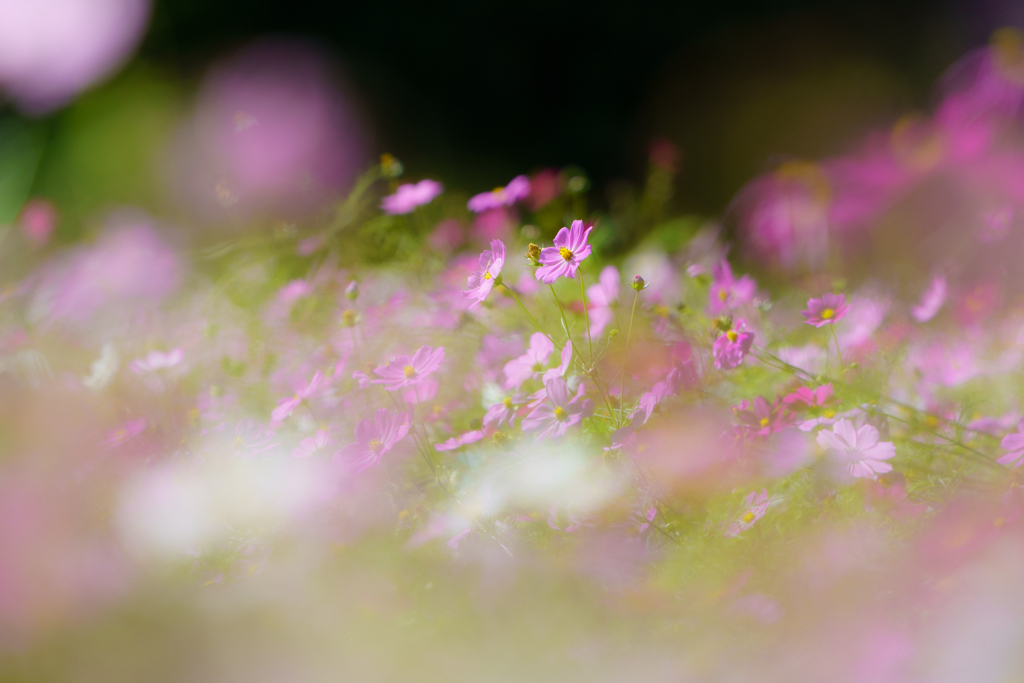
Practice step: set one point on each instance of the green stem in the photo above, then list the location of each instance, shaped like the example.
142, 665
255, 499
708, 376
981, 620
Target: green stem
838, 351
535, 323
565, 323
625, 358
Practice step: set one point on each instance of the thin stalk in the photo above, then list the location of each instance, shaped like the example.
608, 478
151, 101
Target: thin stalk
838, 351
535, 323
625, 358
565, 323
586, 315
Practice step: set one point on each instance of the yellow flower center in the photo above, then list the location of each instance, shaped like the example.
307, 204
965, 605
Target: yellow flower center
409, 371
508, 403
375, 444
722, 295
237, 442
748, 517
487, 276
829, 414
498, 190
565, 253
732, 335
559, 413
828, 314
765, 421
348, 317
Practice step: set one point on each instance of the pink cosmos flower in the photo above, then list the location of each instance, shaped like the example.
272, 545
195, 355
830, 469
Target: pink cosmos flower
931, 300
828, 310
126, 432
503, 411
1015, 444
459, 441
651, 513
659, 392
517, 189
155, 360
814, 402
559, 412
286, 405
760, 418
602, 297
756, 505
564, 258
727, 293
858, 449
38, 219
374, 438
406, 371
530, 364
410, 195
482, 281
730, 348
311, 444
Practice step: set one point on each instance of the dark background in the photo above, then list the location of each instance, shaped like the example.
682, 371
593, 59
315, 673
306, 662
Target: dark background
475, 92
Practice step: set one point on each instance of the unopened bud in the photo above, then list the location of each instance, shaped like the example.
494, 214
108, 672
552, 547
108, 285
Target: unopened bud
352, 291
724, 323
391, 166
638, 283
533, 254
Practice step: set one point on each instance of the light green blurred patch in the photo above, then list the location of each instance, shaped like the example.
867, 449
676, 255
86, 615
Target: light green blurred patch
107, 148
21, 147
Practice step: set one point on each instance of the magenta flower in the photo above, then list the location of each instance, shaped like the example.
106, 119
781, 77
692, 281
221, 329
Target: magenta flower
564, 258
530, 364
1015, 444
727, 293
155, 360
406, 371
482, 281
517, 189
410, 195
286, 405
756, 504
828, 310
761, 418
730, 348
931, 300
558, 412
857, 449
805, 397
374, 438
602, 297
311, 444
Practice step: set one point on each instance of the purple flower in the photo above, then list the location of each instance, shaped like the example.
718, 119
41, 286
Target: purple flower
828, 310
374, 438
1015, 444
730, 348
459, 441
756, 505
286, 405
931, 300
409, 196
559, 412
858, 449
564, 258
482, 281
602, 296
502, 411
530, 364
155, 360
409, 371
727, 293
517, 189
311, 444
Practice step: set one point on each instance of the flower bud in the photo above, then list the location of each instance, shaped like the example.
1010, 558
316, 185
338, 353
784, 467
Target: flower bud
391, 167
533, 254
638, 283
352, 291
724, 323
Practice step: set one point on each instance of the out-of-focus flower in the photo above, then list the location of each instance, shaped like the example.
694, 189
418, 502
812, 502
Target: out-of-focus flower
312, 444
503, 411
564, 258
38, 219
756, 505
374, 438
1014, 443
459, 441
156, 360
407, 197
272, 132
103, 369
50, 50
732, 346
728, 293
760, 418
931, 300
517, 189
482, 281
828, 310
286, 405
531, 363
857, 450
603, 296
409, 371
559, 412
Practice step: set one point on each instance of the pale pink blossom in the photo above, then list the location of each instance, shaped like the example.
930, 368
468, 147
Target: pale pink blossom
755, 507
857, 450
